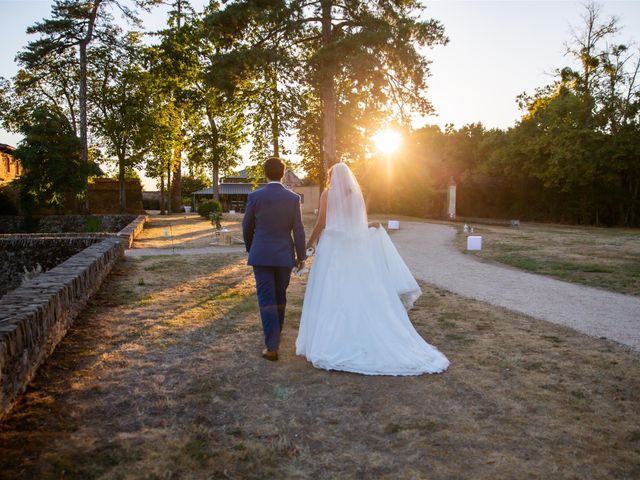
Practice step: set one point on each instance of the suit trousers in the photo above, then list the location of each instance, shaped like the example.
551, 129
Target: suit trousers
271, 284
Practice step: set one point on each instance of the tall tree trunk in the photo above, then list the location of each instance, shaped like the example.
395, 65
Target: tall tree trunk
215, 164
169, 209
275, 117
176, 185
82, 95
215, 178
327, 92
176, 182
83, 103
162, 204
122, 185
84, 137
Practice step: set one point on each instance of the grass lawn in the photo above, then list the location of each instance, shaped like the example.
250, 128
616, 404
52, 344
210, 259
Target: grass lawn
161, 378
606, 258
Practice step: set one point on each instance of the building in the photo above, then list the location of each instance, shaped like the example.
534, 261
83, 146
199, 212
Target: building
235, 189
10, 168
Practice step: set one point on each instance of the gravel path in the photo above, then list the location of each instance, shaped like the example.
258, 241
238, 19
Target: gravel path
429, 251
147, 252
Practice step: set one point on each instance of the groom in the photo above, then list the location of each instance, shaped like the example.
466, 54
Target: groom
272, 214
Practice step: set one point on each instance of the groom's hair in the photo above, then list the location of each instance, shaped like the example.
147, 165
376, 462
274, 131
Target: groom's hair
274, 168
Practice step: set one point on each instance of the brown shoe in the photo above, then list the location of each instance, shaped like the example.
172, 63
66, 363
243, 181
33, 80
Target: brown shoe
271, 356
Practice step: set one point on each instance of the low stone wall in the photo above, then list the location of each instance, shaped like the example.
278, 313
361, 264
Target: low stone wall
18, 252
27, 250
64, 223
131, 231
36, 316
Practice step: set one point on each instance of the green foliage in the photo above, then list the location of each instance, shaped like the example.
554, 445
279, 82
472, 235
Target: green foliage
52, 83
50, 156
8, 201
121, 108
573, 156
341, 73
207, 207
92, 224
192, 184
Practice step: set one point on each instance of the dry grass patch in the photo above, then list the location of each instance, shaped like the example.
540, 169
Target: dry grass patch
174, 387
607, 258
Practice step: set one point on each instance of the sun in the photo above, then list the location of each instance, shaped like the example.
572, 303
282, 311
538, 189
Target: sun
387, 141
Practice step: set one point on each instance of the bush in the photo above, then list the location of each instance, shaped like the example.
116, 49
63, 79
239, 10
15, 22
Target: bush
191, 184
151, 204
92, 224
8, 203
30, 224
208, 206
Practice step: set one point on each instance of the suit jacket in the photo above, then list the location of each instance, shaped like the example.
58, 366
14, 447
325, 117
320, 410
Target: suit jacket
271, 215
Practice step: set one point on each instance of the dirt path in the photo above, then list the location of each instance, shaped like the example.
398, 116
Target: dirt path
185, 234
429, 251
161, 378
183, 231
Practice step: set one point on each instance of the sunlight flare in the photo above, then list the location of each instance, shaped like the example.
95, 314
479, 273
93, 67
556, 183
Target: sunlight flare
387, 141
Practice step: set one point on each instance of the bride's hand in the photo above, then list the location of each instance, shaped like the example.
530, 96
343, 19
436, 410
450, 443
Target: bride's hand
374, 224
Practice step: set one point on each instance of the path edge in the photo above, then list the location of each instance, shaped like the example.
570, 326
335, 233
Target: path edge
34, 318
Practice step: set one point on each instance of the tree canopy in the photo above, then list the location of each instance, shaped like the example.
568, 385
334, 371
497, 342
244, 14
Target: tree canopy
317, 78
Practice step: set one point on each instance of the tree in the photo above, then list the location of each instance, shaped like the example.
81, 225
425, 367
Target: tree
363, 48
74, 25
121, 90
192, 183
163, 124
50, 154
220, 92
52, 84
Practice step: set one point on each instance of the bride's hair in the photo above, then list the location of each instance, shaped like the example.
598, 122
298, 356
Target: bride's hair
328, 180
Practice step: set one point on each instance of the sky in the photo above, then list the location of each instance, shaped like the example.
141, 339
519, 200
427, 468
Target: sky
496, 51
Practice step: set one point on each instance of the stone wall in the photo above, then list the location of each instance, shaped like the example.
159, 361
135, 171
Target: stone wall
20, 252
36, 316
131, 231
27, 250
64, 223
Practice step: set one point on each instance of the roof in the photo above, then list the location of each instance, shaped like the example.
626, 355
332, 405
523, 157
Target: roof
6, 148
238, 177
230, 189
291, 179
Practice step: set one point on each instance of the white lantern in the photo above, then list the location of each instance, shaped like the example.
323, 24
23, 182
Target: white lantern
474, 242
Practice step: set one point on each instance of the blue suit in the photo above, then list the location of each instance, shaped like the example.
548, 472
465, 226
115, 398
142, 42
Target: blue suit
271, 215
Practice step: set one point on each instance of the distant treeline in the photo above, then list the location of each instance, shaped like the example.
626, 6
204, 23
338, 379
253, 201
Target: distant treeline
574, 156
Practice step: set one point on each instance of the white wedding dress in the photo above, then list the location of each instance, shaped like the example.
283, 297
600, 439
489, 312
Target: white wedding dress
354, 317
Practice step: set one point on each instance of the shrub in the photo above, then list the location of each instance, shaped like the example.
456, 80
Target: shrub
151, 204
208, 206
30, 224
92, 225
8, 203
191, 184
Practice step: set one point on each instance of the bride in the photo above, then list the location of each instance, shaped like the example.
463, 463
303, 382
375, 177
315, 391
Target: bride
354, 317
